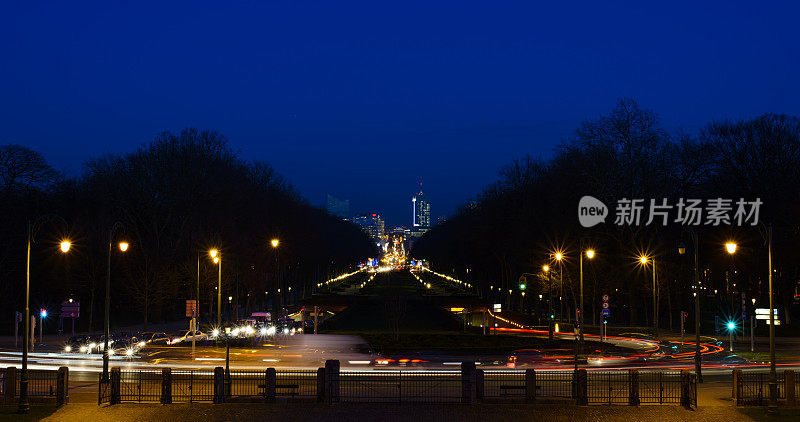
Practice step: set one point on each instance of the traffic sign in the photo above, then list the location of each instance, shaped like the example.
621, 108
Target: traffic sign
605, 305
605, 298
70, 309
191, 308
605, 312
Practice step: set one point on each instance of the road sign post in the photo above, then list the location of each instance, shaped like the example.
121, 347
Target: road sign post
71, 309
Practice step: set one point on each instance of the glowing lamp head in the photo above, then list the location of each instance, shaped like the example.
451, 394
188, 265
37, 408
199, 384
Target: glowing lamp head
65, 246
590, 253
731, 325
216, 260
730, 247
545, 268
275, 243
558, 256
43, 313
643, 260
213, 253
123, 246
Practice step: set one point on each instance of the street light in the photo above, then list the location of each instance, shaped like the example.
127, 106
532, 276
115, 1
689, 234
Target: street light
731, 328
643, 260
730, 247
123, 246
682, 250
275, 243
33, 229
546, 269
773, 376
590, 255
217, 258
558, 255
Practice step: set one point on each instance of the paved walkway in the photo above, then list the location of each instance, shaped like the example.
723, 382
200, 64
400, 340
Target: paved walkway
403, 413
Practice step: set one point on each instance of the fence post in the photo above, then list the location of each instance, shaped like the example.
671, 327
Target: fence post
633, 387
11, 384
686, 391
331, 381
581, 387
166, 386
269, 385
530, 386
468, 394
219, 385
479, 388
737, 386
116, 375
320, 385
62, 386
788, 378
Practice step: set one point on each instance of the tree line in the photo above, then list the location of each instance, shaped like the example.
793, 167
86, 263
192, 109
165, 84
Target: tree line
176, 198
516, 224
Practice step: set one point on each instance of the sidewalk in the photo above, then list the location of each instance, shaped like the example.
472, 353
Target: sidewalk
402, 413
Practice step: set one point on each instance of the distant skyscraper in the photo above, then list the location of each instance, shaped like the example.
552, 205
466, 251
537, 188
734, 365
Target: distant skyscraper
338, 207
373, 225
421, 210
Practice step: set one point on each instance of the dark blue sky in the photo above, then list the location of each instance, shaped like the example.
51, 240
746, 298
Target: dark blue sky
360, 99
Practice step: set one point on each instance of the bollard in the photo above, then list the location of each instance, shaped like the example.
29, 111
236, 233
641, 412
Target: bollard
115, 379
331, 381
269, 385
11, 380
788, 378
530, 386
62, 386
581, 388
320, 385
633, 387
166, 386
479, 387
468, 393
219, 385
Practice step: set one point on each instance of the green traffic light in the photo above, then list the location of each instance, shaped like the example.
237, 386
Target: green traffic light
522, 286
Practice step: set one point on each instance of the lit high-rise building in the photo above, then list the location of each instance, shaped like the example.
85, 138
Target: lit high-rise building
421, 210
372, 224
338, 207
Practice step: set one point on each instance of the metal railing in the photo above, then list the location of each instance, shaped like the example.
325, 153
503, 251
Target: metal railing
662, 387
608, 387
192, 386
41, 383
400, 387
295, 383
140, 386
504, 385
555, 384
754, 388
246, 384
2, 382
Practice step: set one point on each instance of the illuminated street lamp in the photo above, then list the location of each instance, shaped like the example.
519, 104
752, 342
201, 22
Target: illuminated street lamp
730, 247
644, 260
217, 258
123, 246
558, 256
33, 229
275, 243
590, 255
731, 326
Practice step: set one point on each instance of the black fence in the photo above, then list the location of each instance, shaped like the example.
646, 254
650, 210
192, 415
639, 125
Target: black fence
44, 385
400, 386
608, 387
624, 387
192, 386
296, 383
752, 387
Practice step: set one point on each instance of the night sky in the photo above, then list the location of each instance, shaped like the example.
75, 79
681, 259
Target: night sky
361, 99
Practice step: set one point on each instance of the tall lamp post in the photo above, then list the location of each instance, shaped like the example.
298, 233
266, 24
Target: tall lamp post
217, 258
644, 259
546, 269
697, 356
590, 255
558, 257
123, 246
766, 233
33, 229
275, 242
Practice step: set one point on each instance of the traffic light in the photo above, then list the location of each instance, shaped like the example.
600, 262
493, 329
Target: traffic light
522, 283
43, 313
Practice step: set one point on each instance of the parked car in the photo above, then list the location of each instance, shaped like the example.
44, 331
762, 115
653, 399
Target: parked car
152, 338
189, 335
